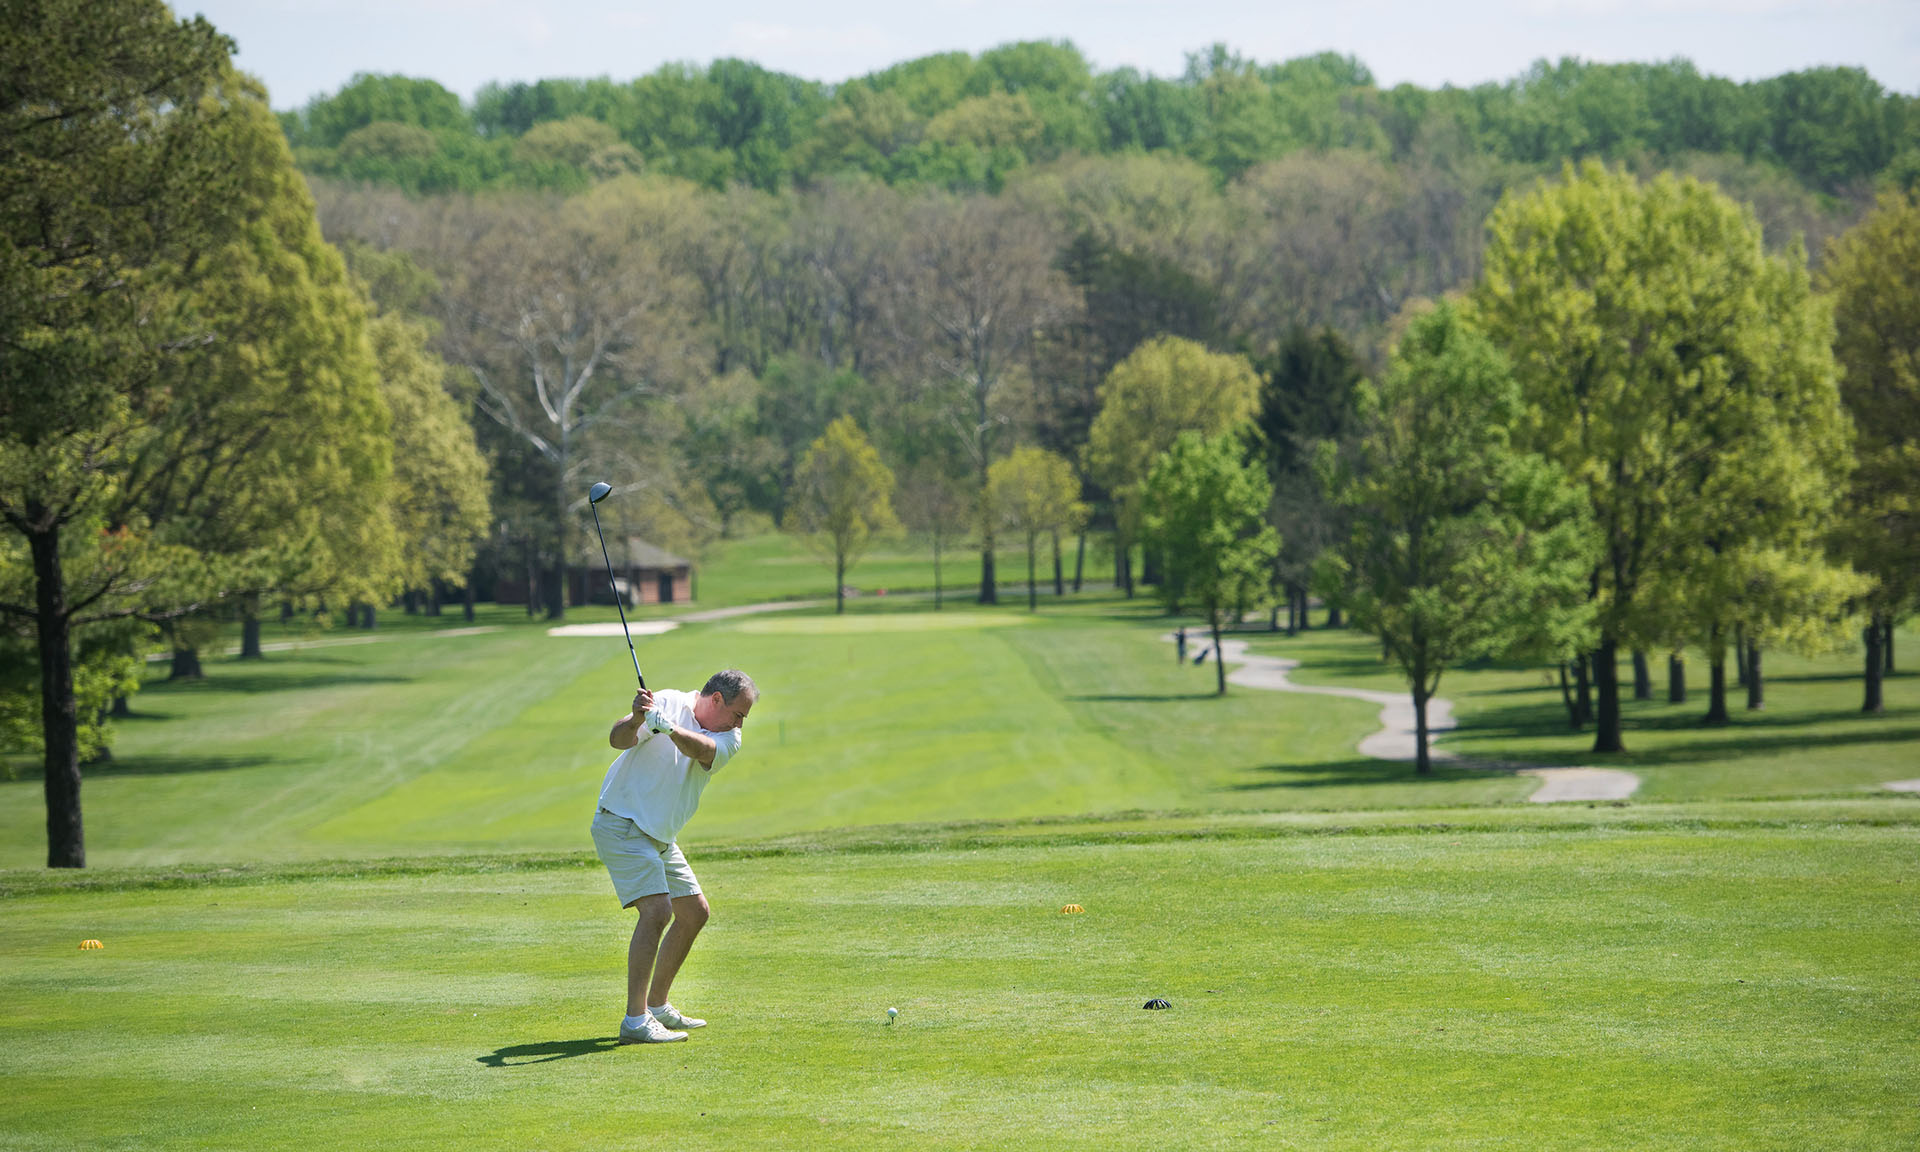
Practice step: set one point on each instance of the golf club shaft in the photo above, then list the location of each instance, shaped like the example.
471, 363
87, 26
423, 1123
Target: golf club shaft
618, 607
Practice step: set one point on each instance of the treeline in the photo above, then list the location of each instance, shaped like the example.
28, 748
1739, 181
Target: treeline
966, 122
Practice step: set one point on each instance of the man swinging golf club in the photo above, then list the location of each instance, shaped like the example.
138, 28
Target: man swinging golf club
671, 743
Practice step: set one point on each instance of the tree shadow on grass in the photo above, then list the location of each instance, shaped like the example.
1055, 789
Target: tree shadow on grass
1689, 721
140, 715
258, 683
1750, 733
1145, 698
1855, 675
518, 1055
162, 765
1516, 690
1360, 772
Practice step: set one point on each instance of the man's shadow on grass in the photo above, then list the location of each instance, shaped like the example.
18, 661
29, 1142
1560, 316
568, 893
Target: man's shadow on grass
517, 1055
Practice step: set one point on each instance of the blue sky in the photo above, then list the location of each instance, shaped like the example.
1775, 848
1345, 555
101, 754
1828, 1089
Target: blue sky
303, 48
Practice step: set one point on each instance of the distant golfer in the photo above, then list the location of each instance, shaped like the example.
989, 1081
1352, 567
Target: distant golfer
672, 743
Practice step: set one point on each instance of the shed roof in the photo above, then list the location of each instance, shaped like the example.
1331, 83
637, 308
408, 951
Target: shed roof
633, 552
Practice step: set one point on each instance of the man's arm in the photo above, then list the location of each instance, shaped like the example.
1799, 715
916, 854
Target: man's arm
697, 745
626, 730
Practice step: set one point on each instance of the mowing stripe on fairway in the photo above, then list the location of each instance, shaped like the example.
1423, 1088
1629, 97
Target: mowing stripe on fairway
904, 622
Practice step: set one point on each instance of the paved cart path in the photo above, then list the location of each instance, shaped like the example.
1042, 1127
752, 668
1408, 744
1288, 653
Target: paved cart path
1396, 738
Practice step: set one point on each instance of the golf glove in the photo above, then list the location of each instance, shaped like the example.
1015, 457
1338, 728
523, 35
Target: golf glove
655, 722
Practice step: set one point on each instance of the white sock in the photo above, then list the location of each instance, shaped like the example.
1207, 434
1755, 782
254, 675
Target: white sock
631, 1022
655, 1008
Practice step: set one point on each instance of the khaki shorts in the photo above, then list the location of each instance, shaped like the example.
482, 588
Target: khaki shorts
640, 865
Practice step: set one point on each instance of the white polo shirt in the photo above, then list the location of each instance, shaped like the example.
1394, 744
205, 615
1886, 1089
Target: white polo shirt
656, 785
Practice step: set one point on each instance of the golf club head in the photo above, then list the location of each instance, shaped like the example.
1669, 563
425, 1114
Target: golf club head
598, 492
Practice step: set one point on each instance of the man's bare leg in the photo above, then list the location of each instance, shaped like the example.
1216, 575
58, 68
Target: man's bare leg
689, 916
654, 912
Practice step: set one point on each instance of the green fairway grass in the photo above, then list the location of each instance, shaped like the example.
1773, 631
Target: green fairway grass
919, 621
430, 737
779, 567
427, 743
1750, 987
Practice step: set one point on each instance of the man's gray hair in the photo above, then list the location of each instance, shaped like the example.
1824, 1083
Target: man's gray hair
730, 684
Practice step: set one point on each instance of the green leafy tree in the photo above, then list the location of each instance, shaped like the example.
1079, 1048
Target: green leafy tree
1830, 126
189, 408
304, 509
1651, 334
1133, 296
736, 465
843, 498
1752, 537
978, 283
439, 503
1873, 273
928, 85
1057, 83
1166, 387
798, 398
1034, 491
1139, 226
567, 319
732, 121
1205, 508
1460, 546
1127, 298
106, 661
863, 131
371, 99
1146, 113
1241, 124
501, 110
581, 143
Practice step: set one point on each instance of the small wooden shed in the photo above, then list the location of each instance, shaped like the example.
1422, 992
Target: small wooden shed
644, 573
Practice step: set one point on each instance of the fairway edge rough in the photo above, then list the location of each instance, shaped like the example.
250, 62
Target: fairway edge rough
1888, 810
874, 622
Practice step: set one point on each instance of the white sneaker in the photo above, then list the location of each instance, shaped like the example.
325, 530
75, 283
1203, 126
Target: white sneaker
670, 1016
650, 1031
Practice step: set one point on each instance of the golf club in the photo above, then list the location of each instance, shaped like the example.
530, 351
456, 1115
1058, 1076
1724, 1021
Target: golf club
596, 494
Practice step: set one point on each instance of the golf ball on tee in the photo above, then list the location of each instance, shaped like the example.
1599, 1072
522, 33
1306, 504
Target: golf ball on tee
891, 1013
